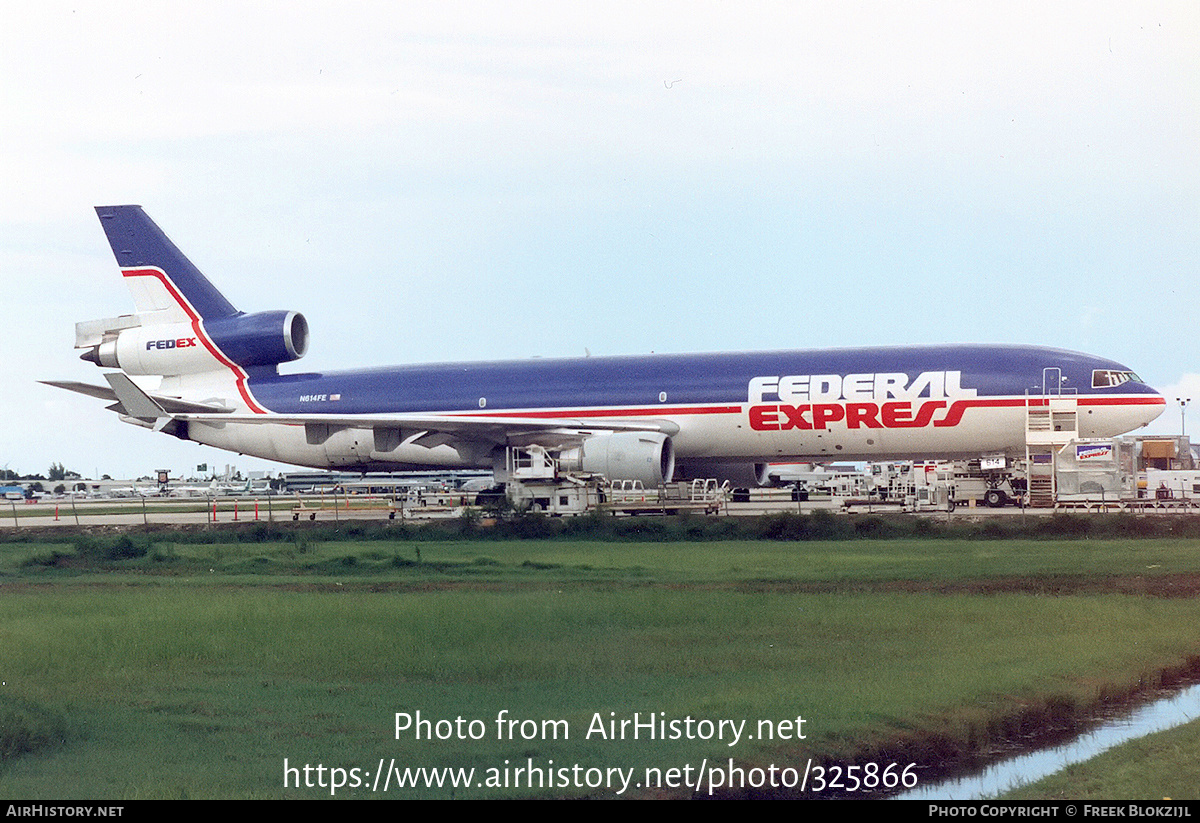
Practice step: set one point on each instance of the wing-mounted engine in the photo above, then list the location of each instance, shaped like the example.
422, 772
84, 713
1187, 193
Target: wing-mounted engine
156, 348
645, 456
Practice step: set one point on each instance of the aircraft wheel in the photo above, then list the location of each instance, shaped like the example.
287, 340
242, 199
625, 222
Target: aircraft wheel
994, 498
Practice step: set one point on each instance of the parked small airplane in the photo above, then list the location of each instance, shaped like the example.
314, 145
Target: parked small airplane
642, 418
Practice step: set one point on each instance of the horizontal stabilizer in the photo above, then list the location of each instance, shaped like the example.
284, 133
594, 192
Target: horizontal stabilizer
91, 333
173, 405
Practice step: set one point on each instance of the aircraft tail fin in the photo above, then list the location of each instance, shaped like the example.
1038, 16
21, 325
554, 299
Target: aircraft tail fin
183, 326
165, 285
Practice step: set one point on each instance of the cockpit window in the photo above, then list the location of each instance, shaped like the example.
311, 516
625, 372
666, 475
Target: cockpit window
1107, 378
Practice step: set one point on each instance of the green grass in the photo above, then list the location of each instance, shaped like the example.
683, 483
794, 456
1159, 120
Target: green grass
194, 670
1155, 767
841, 563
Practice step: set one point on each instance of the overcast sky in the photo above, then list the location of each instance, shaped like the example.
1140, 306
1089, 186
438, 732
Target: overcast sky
459, 181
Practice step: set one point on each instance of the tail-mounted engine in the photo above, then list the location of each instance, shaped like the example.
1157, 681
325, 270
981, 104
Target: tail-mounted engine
247, 340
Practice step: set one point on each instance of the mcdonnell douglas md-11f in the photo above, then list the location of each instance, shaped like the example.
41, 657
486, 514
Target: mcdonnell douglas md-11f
645, 418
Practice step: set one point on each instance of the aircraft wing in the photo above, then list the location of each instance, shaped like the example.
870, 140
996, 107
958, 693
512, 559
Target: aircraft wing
159, 410
440, 428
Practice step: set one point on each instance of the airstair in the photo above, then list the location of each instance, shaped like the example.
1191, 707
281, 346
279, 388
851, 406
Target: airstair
1051, 422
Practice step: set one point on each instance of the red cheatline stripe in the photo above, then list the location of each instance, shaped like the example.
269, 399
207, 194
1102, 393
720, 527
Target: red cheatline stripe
657, 411
1123, 401
1127, 400
238, 373
956, 408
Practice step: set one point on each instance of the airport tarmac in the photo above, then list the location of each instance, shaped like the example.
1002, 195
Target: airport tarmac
136, 512
153, 511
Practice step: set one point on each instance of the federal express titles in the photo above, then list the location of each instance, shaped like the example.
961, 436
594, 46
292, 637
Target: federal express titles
885, 400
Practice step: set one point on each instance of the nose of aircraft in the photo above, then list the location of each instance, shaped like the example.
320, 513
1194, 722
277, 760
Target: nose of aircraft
1120, 410
1152, 405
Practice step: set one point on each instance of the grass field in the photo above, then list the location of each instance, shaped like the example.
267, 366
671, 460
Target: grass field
1158, 766
148, 666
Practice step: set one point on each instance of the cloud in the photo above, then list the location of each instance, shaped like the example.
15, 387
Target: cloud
1187, 387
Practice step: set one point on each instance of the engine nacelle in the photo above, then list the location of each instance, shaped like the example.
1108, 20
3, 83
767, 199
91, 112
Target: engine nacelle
262, 339
645, 456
